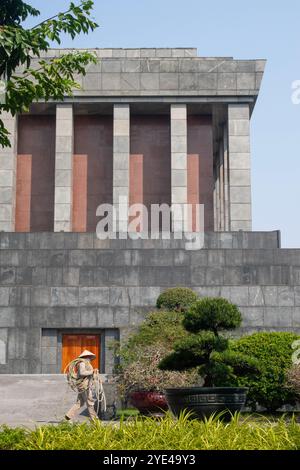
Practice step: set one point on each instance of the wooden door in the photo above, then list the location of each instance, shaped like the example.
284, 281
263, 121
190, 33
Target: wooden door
73, 345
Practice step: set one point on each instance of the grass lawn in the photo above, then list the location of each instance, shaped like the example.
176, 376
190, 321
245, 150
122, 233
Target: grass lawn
241, 433
127, 413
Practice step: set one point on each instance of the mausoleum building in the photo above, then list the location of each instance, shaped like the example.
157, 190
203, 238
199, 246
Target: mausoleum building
151, 126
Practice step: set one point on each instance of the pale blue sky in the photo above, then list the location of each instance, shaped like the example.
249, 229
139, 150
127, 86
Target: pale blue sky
242, 29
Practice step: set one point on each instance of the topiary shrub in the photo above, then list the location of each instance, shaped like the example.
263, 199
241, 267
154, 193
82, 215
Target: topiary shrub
273, 352
206, 349
212, 314
177, 299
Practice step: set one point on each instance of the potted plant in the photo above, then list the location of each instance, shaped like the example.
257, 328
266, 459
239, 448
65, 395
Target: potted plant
142, 383
207, 350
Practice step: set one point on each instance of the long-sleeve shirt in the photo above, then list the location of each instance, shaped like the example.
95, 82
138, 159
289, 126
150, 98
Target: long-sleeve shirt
85, 372
85, 369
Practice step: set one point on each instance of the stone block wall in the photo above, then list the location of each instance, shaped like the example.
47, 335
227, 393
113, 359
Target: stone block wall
52, 283
167, 72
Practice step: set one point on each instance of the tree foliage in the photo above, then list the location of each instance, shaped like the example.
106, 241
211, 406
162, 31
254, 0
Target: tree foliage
43, 79
212, 314
206, 349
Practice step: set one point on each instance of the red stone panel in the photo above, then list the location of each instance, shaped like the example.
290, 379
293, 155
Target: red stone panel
36, 137
200, 142
79, 205
136, 179
23, 193
193, 186
93, 137
150, 137
136, 182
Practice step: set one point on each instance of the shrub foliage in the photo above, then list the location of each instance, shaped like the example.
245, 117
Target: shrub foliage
143, 350
213, 314
165, 434
273, 352
143, 373
205, 348
177, 299
159, 327
293, 379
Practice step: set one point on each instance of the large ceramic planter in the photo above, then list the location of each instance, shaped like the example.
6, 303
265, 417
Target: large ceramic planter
149, 403
203, 402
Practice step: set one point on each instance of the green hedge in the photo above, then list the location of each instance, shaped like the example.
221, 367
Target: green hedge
274, 354
165, 434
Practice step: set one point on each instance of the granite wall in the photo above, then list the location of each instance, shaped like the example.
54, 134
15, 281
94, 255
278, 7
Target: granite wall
52, 283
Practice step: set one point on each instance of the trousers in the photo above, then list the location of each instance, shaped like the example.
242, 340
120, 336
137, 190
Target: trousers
83, 398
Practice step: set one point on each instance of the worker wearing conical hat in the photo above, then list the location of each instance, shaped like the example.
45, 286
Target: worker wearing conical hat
84, 379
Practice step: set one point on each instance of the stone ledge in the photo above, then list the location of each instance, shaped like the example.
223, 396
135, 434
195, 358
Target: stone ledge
74, 241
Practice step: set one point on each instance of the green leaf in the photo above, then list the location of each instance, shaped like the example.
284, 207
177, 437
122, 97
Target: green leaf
54, 78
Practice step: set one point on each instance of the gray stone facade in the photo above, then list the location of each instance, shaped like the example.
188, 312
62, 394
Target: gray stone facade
121, 154
178, 160
174, 78
8, 176
170, 72
57, 283
63, 168
63, 283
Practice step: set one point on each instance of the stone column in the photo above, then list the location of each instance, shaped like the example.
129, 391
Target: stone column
239, 167
178, 161
215, 204
221, 182
121, 152
63, 168
8, 158
226, 178
217, 195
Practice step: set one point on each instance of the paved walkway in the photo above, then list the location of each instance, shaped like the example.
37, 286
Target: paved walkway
35, 400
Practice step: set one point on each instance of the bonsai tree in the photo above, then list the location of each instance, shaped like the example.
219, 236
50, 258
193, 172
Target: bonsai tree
205, 348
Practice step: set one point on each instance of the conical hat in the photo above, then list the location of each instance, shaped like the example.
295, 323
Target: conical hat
87, 353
